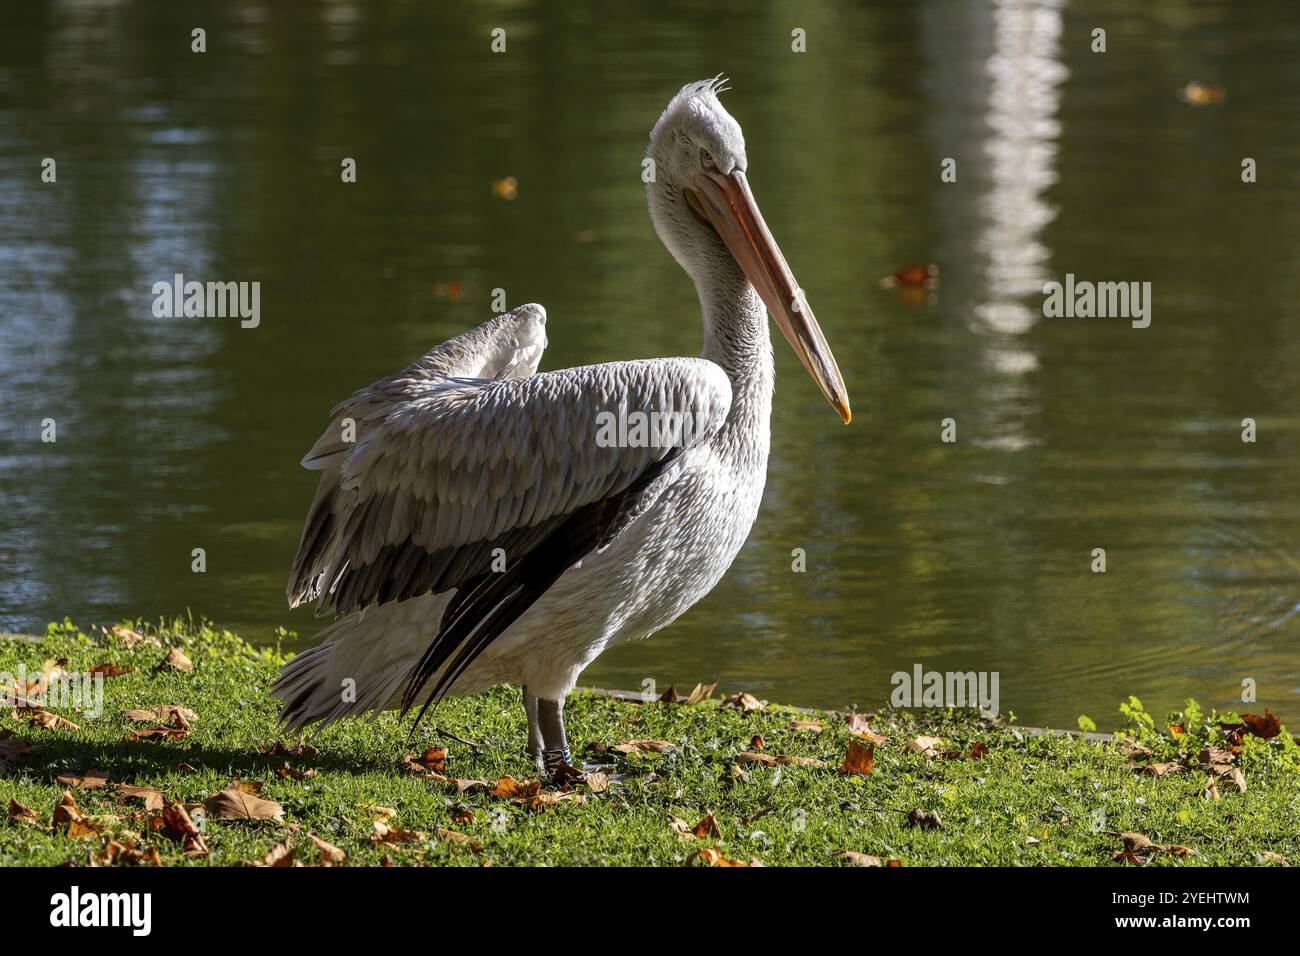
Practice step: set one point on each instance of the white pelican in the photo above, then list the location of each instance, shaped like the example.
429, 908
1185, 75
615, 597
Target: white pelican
477, 530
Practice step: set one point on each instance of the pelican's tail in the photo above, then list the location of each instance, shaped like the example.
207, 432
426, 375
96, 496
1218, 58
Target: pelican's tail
357, 669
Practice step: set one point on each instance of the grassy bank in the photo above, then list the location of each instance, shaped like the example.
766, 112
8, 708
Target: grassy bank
983, 792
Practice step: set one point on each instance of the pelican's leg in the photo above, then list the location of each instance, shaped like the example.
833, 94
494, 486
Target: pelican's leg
550, 715
536, 743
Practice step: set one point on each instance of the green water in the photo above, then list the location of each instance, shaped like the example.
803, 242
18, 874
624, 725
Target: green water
1072, 433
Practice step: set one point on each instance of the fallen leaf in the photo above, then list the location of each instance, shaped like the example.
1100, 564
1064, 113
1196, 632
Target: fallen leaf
787, 759
297, 753
511, 789
328, 851
506, 188
461, 786
1274, 859
110, 670
461, 839
153, 799
853, 858
21, 814
669, 696
383, 833
235, 803
89, 780
642, 747
68, 818
767, 760
927, 746
747, 703
45, 719
597, 782
130, 638
293, 773
548, 798
1266, 727
179, 717
680, 827
433, 760
279, 855
859, 760
707, 829
858, 723
382, 813
162, 733
810, 726
978, 750
1155, 769
700, 693
926, 820
756, 742
177, 661
711, 857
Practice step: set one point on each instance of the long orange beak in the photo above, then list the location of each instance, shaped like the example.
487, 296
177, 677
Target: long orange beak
728, 204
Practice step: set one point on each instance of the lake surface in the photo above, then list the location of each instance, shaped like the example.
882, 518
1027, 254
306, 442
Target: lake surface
1072, 433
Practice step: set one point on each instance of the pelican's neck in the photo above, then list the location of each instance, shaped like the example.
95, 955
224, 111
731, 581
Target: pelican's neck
736, 338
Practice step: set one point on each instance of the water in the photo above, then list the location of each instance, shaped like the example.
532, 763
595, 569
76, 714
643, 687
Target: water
1073, 434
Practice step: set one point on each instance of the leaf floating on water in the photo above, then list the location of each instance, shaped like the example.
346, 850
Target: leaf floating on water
914, 275
506, 188
1195, 93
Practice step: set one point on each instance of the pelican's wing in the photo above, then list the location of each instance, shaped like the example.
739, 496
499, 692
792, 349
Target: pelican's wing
508, 346
537, 471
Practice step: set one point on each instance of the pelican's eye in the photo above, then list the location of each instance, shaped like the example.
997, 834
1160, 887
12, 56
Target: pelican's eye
706, 160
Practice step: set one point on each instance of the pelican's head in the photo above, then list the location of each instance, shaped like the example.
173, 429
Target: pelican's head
705, 214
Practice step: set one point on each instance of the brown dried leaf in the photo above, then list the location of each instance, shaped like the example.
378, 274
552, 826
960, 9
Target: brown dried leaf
153, 799
927, 746
293, 773
45, 719
461, 839
853, 858
767, 760
21, 814
90, 780
179, 717
235, 803
279, 855
433, 760
177, 661
700, 693
158, 733
707, 829
384, 833
110, 670
549, 798
509, 788
747, 703
925, 819
801, 761
810, 726
642, 747
597, 782
859, 760
130, 638
330, 854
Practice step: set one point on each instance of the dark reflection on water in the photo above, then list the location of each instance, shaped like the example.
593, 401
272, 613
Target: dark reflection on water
1073, 434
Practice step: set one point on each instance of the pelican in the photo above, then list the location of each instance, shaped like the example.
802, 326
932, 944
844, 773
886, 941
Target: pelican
477, 523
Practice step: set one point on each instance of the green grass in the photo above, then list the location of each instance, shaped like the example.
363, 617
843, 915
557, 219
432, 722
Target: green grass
1029, 787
